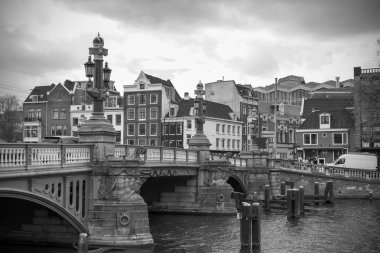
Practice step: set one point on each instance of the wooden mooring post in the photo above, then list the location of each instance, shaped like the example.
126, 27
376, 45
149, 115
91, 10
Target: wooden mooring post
250, 222
293, 203
329, 192
302, 200
316, 192
266, 198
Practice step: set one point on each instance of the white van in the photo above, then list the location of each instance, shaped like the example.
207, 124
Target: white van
356, 161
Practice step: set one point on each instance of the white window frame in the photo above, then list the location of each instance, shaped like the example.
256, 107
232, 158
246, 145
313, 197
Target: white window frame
142, 110
150, 129
342, 134
134, 113
129, 99
134, 129
138, 133
310, 134
150, 113
150, 99
324, 126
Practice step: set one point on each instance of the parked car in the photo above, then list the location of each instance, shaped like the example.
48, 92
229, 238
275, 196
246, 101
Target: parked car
60, 139
357, 161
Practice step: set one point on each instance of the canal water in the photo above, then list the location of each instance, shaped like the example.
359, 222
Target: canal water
345, 226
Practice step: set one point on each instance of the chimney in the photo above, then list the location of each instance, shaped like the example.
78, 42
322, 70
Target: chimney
186, 96
337, 83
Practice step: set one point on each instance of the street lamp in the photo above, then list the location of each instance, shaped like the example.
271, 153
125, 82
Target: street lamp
275, 121
107, 75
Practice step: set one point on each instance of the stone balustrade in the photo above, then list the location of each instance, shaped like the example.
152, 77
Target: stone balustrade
28, 155
158, 154
324, 169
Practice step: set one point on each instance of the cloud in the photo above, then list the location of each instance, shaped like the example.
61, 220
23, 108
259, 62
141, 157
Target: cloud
322, 19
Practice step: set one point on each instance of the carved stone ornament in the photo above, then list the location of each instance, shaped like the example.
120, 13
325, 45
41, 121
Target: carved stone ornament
370, 77
98, 51
120, 188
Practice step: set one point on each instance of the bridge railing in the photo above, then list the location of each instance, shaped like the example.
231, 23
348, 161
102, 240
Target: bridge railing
158, 154
27, 155
325, 169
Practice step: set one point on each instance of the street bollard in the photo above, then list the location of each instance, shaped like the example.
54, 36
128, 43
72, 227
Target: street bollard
82, 243
329, 192
266, 198
316, 193
293, 203
246, 226
282, 188
256, 225
302, 200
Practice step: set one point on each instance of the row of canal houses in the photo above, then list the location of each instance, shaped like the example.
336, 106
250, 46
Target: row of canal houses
314, 120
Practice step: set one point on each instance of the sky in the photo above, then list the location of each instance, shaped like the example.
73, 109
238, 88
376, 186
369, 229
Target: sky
248, 41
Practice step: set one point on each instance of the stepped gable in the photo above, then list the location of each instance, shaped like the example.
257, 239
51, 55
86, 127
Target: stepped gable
214, 110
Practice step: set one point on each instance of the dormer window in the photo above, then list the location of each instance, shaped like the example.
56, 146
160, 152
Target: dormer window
34, 98
324, 120
142, 86
172, 112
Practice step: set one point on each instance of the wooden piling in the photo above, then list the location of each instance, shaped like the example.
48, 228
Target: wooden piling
256, 225
282, 188
302, 200
266, 198
329, 192
293, 203
316, 192
246, 226
82, 243
370, 196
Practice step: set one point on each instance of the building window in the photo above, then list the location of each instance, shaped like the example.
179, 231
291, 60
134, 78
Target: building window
63, 113
38, 114
58, 130
172, 112
244, 130
141, 142
228, 143
217, 143
223, 129
142, 113
142, 129
172, 128
228, 129
153, 129
131, 99
188, 137
179, 128
217, 128
188, 124
340, 138
56, 113
310, 139
75, 121
324, 120
142, 99
153, 142
130, 113
244, 110
223, 143
31, 131
233, 144
142, 86
153, 98
324, 135
233, 130
118, 136
238, 130
153, 113
238, 144
131, 129
31, 114
130, 142
109, 118
118, 119
179, 144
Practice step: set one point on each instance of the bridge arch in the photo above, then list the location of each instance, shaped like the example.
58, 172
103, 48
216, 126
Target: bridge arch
237, 184
28, 196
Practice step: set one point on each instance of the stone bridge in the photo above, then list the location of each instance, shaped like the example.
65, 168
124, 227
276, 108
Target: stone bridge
62, 190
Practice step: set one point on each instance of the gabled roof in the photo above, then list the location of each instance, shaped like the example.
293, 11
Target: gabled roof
324, 104
290, 110
339, 118
40, 91
214, 110
167, 83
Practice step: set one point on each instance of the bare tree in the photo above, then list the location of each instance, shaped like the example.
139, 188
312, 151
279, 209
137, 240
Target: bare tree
10, 118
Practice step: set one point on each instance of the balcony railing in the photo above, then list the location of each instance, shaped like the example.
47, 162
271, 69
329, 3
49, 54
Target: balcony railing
237, 161
35, 155
325, 170
158, 154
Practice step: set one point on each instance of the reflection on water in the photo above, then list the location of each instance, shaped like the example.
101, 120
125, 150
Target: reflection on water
346, 226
